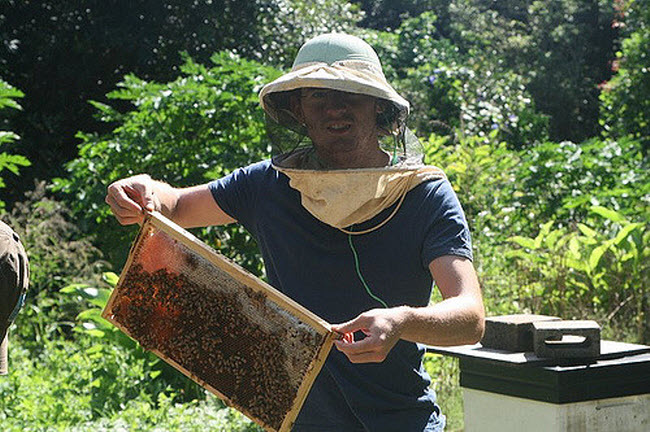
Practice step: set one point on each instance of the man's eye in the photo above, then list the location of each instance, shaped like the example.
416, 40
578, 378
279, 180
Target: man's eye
319, 94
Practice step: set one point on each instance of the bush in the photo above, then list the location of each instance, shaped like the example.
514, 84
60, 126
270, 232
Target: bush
100, 387
59, 254
8, 161
189, 131
456, 89
590, 258
625, 99
561, 181
482, 173
599, 271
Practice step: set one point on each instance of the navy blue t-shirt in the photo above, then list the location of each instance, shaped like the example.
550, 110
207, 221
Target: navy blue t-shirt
314, 264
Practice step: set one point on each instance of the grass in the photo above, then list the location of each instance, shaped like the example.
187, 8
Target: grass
81, 384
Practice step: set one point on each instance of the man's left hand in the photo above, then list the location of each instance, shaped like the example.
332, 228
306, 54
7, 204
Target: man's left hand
382, 328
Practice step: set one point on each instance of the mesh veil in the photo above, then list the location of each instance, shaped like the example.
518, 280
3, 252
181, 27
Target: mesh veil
289, 138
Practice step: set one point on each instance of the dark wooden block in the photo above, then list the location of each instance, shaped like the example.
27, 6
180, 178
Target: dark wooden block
512, 332
566, 339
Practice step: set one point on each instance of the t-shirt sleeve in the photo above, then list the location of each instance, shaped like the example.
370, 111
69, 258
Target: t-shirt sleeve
446, 230
236, 194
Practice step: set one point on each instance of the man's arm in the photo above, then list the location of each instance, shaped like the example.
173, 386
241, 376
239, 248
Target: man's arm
457, 320
188, 207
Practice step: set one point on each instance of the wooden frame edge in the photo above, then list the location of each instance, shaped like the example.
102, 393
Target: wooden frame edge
155, 219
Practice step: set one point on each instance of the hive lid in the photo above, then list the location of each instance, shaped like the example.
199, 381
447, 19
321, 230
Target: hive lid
608, 350
224, 328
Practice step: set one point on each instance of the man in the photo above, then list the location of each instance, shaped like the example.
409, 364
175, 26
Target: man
14, 278
352, 226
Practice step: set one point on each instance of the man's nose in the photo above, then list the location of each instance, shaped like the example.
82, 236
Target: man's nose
337, 101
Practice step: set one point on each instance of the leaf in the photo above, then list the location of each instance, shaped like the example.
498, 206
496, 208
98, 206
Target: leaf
97, 348
551, 239
102, 297
110, 278
523, 241
94, 315
587, 231
73, 288
546, 228
625, 232
95, 333
576, 264
575, 248
96, 296
609, 214
597, 254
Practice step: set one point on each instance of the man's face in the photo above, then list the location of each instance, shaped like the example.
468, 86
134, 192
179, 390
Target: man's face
340, 124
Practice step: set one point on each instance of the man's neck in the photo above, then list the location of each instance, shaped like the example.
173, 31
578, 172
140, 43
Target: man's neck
369, 156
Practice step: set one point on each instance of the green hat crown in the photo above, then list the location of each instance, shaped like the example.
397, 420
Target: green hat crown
334, 47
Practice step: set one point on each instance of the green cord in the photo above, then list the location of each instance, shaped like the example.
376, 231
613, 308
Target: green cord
356, 263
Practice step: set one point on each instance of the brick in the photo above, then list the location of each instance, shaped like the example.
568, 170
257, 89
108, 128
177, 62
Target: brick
512, 332
566, 339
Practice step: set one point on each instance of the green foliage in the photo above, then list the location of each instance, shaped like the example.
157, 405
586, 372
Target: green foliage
284, 25
90, 324
62, 54
189, 131
478, 169
445, 375
515, 60
59, 254
8, 161
562, 180
86, 385
482, 173
598, 271
389, 14
507, 194
625, 99
460, 88
197, 416
570, 46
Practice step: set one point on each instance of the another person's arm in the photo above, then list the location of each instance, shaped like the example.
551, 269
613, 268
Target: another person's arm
188, 207
457, 320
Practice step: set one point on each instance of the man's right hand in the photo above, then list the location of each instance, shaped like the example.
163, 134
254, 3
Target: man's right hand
189, 207
129, 197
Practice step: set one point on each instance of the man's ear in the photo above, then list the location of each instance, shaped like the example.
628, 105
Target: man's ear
380, 106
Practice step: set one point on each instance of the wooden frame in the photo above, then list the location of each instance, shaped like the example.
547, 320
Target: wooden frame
156, 222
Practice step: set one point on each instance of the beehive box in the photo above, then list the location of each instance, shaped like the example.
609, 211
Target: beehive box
235, 335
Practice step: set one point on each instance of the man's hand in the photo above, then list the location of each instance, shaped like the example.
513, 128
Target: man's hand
382, 328
456, 320
129, 197
189, 207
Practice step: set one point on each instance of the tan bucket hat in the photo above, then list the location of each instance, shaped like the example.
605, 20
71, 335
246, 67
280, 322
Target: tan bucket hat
333, 61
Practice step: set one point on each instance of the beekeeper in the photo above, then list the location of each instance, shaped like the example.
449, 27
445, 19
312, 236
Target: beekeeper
353, 226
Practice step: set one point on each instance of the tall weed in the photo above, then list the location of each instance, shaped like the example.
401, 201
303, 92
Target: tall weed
599, 270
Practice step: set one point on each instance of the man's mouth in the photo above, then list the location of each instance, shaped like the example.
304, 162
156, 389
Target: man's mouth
338, 128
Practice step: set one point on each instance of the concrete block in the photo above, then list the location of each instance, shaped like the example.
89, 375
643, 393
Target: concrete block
512, 332
566, 339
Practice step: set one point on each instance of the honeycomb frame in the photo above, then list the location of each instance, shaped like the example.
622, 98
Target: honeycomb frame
164, 311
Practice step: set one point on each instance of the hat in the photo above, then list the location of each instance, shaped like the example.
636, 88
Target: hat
333, 61
14, 278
